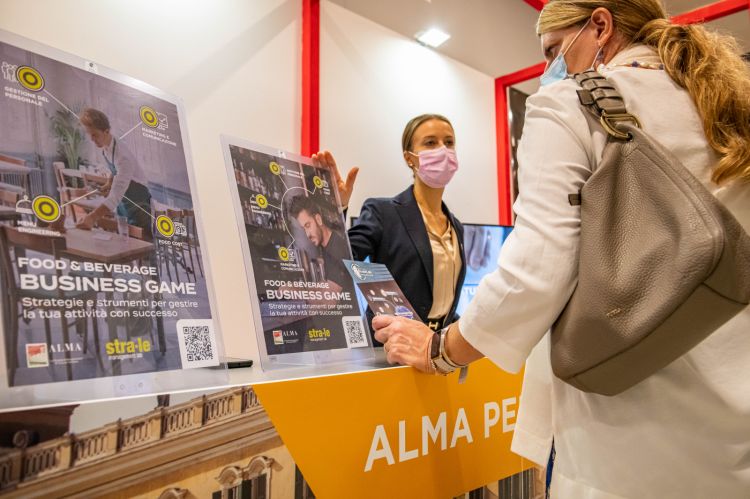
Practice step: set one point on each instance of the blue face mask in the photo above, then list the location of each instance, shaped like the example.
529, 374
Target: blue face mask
558, 68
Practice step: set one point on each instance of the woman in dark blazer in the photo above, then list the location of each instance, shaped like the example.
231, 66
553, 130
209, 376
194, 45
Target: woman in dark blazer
392, 231
414, 234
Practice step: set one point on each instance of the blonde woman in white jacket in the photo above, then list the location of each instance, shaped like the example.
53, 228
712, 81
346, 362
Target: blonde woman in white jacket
685, 431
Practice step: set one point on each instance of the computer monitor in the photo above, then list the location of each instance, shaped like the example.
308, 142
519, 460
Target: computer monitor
482, 245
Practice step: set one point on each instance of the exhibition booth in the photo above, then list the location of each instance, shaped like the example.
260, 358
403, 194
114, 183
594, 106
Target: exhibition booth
183, 333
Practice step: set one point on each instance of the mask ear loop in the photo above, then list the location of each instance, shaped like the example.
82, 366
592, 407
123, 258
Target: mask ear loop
411, 165
576, 37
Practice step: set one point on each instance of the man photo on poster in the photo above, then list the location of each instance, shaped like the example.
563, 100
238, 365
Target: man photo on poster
333, 247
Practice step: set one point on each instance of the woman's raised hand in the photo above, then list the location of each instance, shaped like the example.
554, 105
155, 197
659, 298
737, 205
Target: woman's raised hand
325, 158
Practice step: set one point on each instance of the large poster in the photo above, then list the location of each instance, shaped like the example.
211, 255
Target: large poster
296, 245
100, 256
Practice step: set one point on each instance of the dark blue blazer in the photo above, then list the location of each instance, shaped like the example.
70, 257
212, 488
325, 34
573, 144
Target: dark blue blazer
391, 231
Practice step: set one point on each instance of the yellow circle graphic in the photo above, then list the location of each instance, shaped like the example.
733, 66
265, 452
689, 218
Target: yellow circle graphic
46, 209
318, 181
148, 117
165, 226
284, 254
275, 168
30, 78
261, 200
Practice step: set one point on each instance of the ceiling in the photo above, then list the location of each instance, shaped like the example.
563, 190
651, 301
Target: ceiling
495, 37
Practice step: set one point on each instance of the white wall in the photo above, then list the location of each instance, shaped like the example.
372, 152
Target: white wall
235, 63
373, 81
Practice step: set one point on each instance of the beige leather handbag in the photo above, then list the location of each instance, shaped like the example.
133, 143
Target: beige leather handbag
662, 263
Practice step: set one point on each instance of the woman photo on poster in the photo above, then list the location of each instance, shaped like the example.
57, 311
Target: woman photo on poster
126, 192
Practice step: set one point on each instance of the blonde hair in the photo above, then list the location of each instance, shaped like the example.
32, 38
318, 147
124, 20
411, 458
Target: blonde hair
415, 123
706, 64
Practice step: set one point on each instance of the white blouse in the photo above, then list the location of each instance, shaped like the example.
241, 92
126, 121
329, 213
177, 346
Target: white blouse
128, 170
685, 431
446, 265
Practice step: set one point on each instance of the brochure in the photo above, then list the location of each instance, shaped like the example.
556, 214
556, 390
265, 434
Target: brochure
379, 289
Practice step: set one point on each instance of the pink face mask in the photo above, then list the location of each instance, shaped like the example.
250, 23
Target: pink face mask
437, 166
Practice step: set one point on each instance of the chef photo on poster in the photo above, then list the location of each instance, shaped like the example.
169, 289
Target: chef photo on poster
297, 245
100, 257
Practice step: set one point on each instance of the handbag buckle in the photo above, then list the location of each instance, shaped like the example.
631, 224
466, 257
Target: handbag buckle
610, 121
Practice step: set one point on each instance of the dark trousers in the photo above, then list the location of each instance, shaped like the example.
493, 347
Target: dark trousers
137, 208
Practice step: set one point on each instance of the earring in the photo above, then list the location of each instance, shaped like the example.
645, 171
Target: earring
598, 58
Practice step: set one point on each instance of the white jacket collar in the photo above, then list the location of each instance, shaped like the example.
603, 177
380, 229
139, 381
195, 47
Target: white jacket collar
637, 52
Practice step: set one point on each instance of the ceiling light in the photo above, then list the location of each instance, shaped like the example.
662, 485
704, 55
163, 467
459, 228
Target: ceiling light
433, 37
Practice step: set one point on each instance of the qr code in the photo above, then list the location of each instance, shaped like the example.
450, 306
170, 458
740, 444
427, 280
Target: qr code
354, 332
197, 343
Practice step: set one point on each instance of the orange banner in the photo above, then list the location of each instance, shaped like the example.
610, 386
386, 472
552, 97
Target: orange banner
398, 433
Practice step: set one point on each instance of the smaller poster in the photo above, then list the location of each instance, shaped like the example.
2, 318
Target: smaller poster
379, 290
294, 241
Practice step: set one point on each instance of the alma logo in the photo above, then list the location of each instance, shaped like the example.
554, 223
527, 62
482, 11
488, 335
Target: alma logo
36, 355
65, 347
118, 347
285, 336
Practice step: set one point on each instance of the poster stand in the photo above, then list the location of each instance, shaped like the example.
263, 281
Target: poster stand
305, 311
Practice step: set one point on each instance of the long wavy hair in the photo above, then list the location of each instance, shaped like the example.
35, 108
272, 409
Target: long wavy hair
707, 64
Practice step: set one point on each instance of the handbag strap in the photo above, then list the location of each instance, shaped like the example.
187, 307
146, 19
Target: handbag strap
599, 97
602, 99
